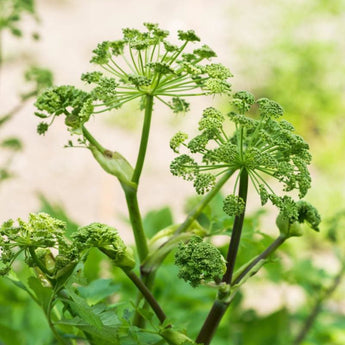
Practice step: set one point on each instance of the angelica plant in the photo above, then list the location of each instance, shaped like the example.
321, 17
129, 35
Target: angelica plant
250, 144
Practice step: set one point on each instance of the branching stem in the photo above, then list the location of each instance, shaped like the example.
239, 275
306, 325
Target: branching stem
220, 306
147, 295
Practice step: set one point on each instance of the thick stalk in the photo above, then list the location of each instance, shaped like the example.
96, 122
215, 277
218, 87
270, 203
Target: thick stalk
147, 295
236, 230
219, 307
318, 307
136, 221
131, 193
144, 139
132, 200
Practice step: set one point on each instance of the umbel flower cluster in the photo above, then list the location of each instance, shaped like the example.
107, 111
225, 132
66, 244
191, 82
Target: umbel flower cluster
141, 63
264, 145
42, 239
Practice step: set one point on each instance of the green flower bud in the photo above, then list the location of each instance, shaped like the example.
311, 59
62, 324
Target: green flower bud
72, 121
287, 228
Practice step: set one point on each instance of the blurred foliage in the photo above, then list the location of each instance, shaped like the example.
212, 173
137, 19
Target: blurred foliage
301, 64
11, 13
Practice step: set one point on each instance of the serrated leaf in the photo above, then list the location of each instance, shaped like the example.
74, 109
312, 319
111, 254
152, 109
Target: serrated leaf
98, 290
102, 336
83, 310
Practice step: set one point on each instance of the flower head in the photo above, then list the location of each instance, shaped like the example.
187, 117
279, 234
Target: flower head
199, 261
140, 63
263, 145
36, 238
106, 239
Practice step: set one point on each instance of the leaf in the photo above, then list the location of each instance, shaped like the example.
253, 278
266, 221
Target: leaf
98, 290
146, 314
43, 294
157, 220
83, 310
101, 336
19, 284
272, 329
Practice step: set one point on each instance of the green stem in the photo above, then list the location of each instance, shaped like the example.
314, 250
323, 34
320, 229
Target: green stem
195, 213
131, 193
268, 251
136, 221
147, 295
220, 306
144, 139
91, 139
52, 326
236, 230
318, 307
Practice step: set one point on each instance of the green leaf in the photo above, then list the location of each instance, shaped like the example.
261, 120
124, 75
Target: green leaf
43, 294
271, 329
157, 220
103, 335
83, 310
98, 290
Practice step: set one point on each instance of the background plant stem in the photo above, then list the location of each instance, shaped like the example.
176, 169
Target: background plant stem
308, 323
